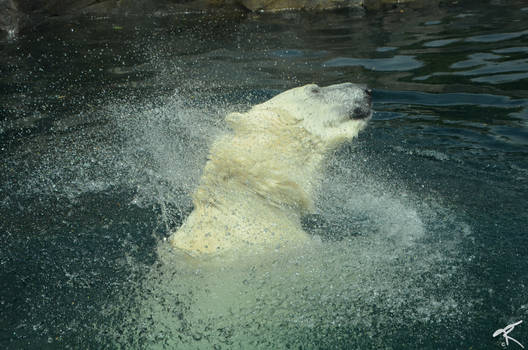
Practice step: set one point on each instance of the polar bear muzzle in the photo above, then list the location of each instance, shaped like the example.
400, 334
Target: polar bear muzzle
356, 98
363, 110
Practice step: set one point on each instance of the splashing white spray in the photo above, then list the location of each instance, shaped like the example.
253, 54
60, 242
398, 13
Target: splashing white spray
382, 270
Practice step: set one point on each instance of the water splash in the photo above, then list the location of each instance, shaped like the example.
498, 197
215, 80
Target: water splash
386, 261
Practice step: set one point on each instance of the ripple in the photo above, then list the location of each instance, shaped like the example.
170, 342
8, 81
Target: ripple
485, 38
491, 38
288, 53
386, 49
447, 99
432, 23
391, 64
501, 78
512, 50
475, 59
489, 68
498, 67
440, 43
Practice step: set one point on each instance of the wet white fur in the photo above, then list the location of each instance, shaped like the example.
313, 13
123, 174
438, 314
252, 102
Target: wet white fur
260, 179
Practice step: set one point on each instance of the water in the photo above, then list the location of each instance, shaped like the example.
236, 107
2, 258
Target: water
104, 129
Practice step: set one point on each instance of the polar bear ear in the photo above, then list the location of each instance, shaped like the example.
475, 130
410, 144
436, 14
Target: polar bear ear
257, 119
235, 120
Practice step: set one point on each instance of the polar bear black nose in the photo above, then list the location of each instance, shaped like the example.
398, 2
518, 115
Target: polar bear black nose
361, 113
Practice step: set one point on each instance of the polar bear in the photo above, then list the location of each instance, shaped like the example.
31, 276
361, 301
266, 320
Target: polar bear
261, 178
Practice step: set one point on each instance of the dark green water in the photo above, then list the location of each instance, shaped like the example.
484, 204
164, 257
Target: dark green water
104, 128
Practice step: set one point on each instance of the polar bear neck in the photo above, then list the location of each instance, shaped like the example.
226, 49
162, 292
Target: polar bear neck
254, 189
261, 163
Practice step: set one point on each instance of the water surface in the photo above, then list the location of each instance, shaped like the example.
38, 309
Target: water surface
104, 128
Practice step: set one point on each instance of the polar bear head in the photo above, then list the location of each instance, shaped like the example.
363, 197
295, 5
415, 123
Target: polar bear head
278, 148
334, 113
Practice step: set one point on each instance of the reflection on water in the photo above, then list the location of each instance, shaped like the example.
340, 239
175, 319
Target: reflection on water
105, 126
395, 63
488, 66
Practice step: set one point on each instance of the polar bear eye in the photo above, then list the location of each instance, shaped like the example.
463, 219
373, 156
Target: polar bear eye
315, 90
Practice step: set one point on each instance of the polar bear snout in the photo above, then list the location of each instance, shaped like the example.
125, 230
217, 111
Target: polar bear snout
362, 109
354, 99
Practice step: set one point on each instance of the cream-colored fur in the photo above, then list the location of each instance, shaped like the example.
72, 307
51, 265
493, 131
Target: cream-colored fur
261, 179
